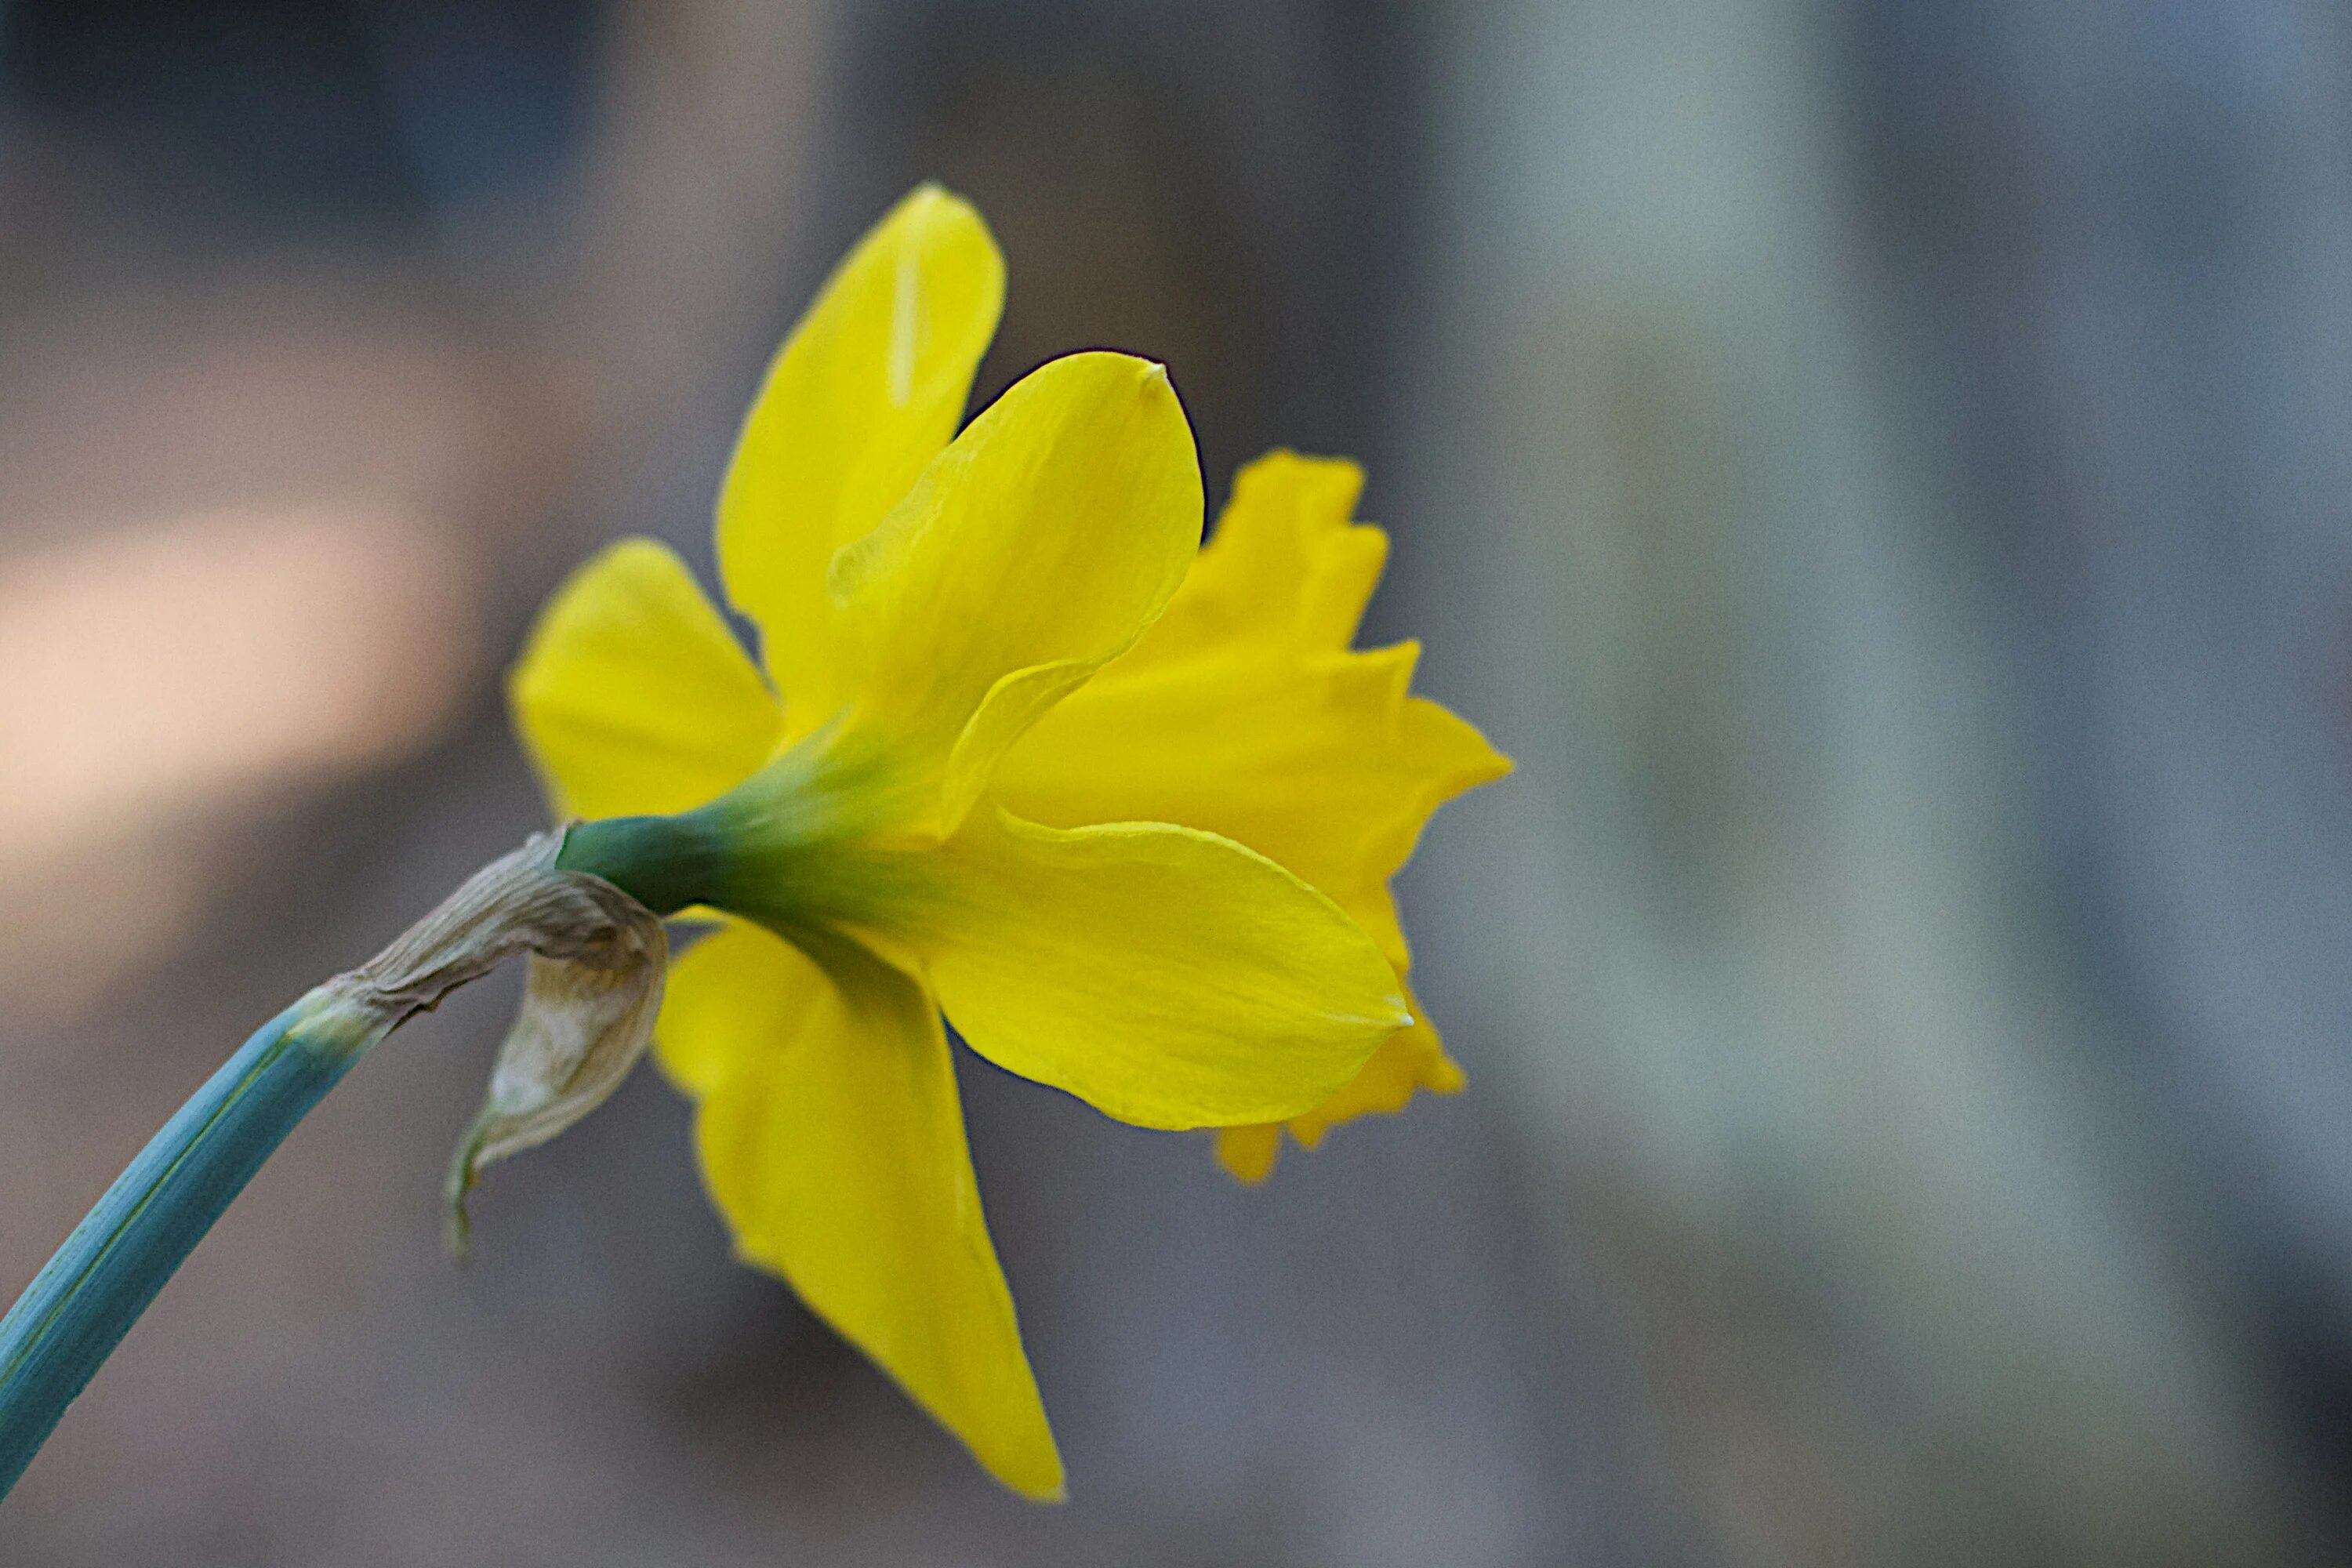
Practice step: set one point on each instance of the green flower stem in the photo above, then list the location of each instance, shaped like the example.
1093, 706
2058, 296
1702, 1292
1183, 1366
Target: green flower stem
592, 945
666, 863
79, 1306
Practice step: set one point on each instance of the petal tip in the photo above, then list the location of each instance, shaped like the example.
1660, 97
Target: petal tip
1117, 368
931, 197
1035, 1475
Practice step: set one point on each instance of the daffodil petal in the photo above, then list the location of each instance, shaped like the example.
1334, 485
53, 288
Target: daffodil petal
633, 696
864, 393
1321, 763
1286, 568
832, 1139
1413, 1058
1242, 711
1033, 550
1166, 976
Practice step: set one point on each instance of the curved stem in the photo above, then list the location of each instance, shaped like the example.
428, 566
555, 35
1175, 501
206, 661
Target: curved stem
81, 1304
598, 958
666, 863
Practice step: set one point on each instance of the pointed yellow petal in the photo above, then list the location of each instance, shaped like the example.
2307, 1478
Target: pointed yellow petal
1036, 548
832, 1140
1411, 1058
1320, 761
633, 696
1408, 1061
1168, 977
867, 389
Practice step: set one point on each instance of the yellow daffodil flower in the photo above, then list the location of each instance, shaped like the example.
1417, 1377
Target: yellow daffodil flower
1139, 856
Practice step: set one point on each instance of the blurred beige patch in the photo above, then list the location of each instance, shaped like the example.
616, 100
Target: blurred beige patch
156, 678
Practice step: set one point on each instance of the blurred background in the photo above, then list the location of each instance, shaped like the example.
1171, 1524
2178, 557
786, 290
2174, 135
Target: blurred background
1881, 466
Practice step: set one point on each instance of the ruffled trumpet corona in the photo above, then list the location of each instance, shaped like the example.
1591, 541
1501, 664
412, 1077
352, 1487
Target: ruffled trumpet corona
1016, 755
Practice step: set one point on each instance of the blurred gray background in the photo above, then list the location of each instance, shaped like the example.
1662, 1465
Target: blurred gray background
1881, 467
